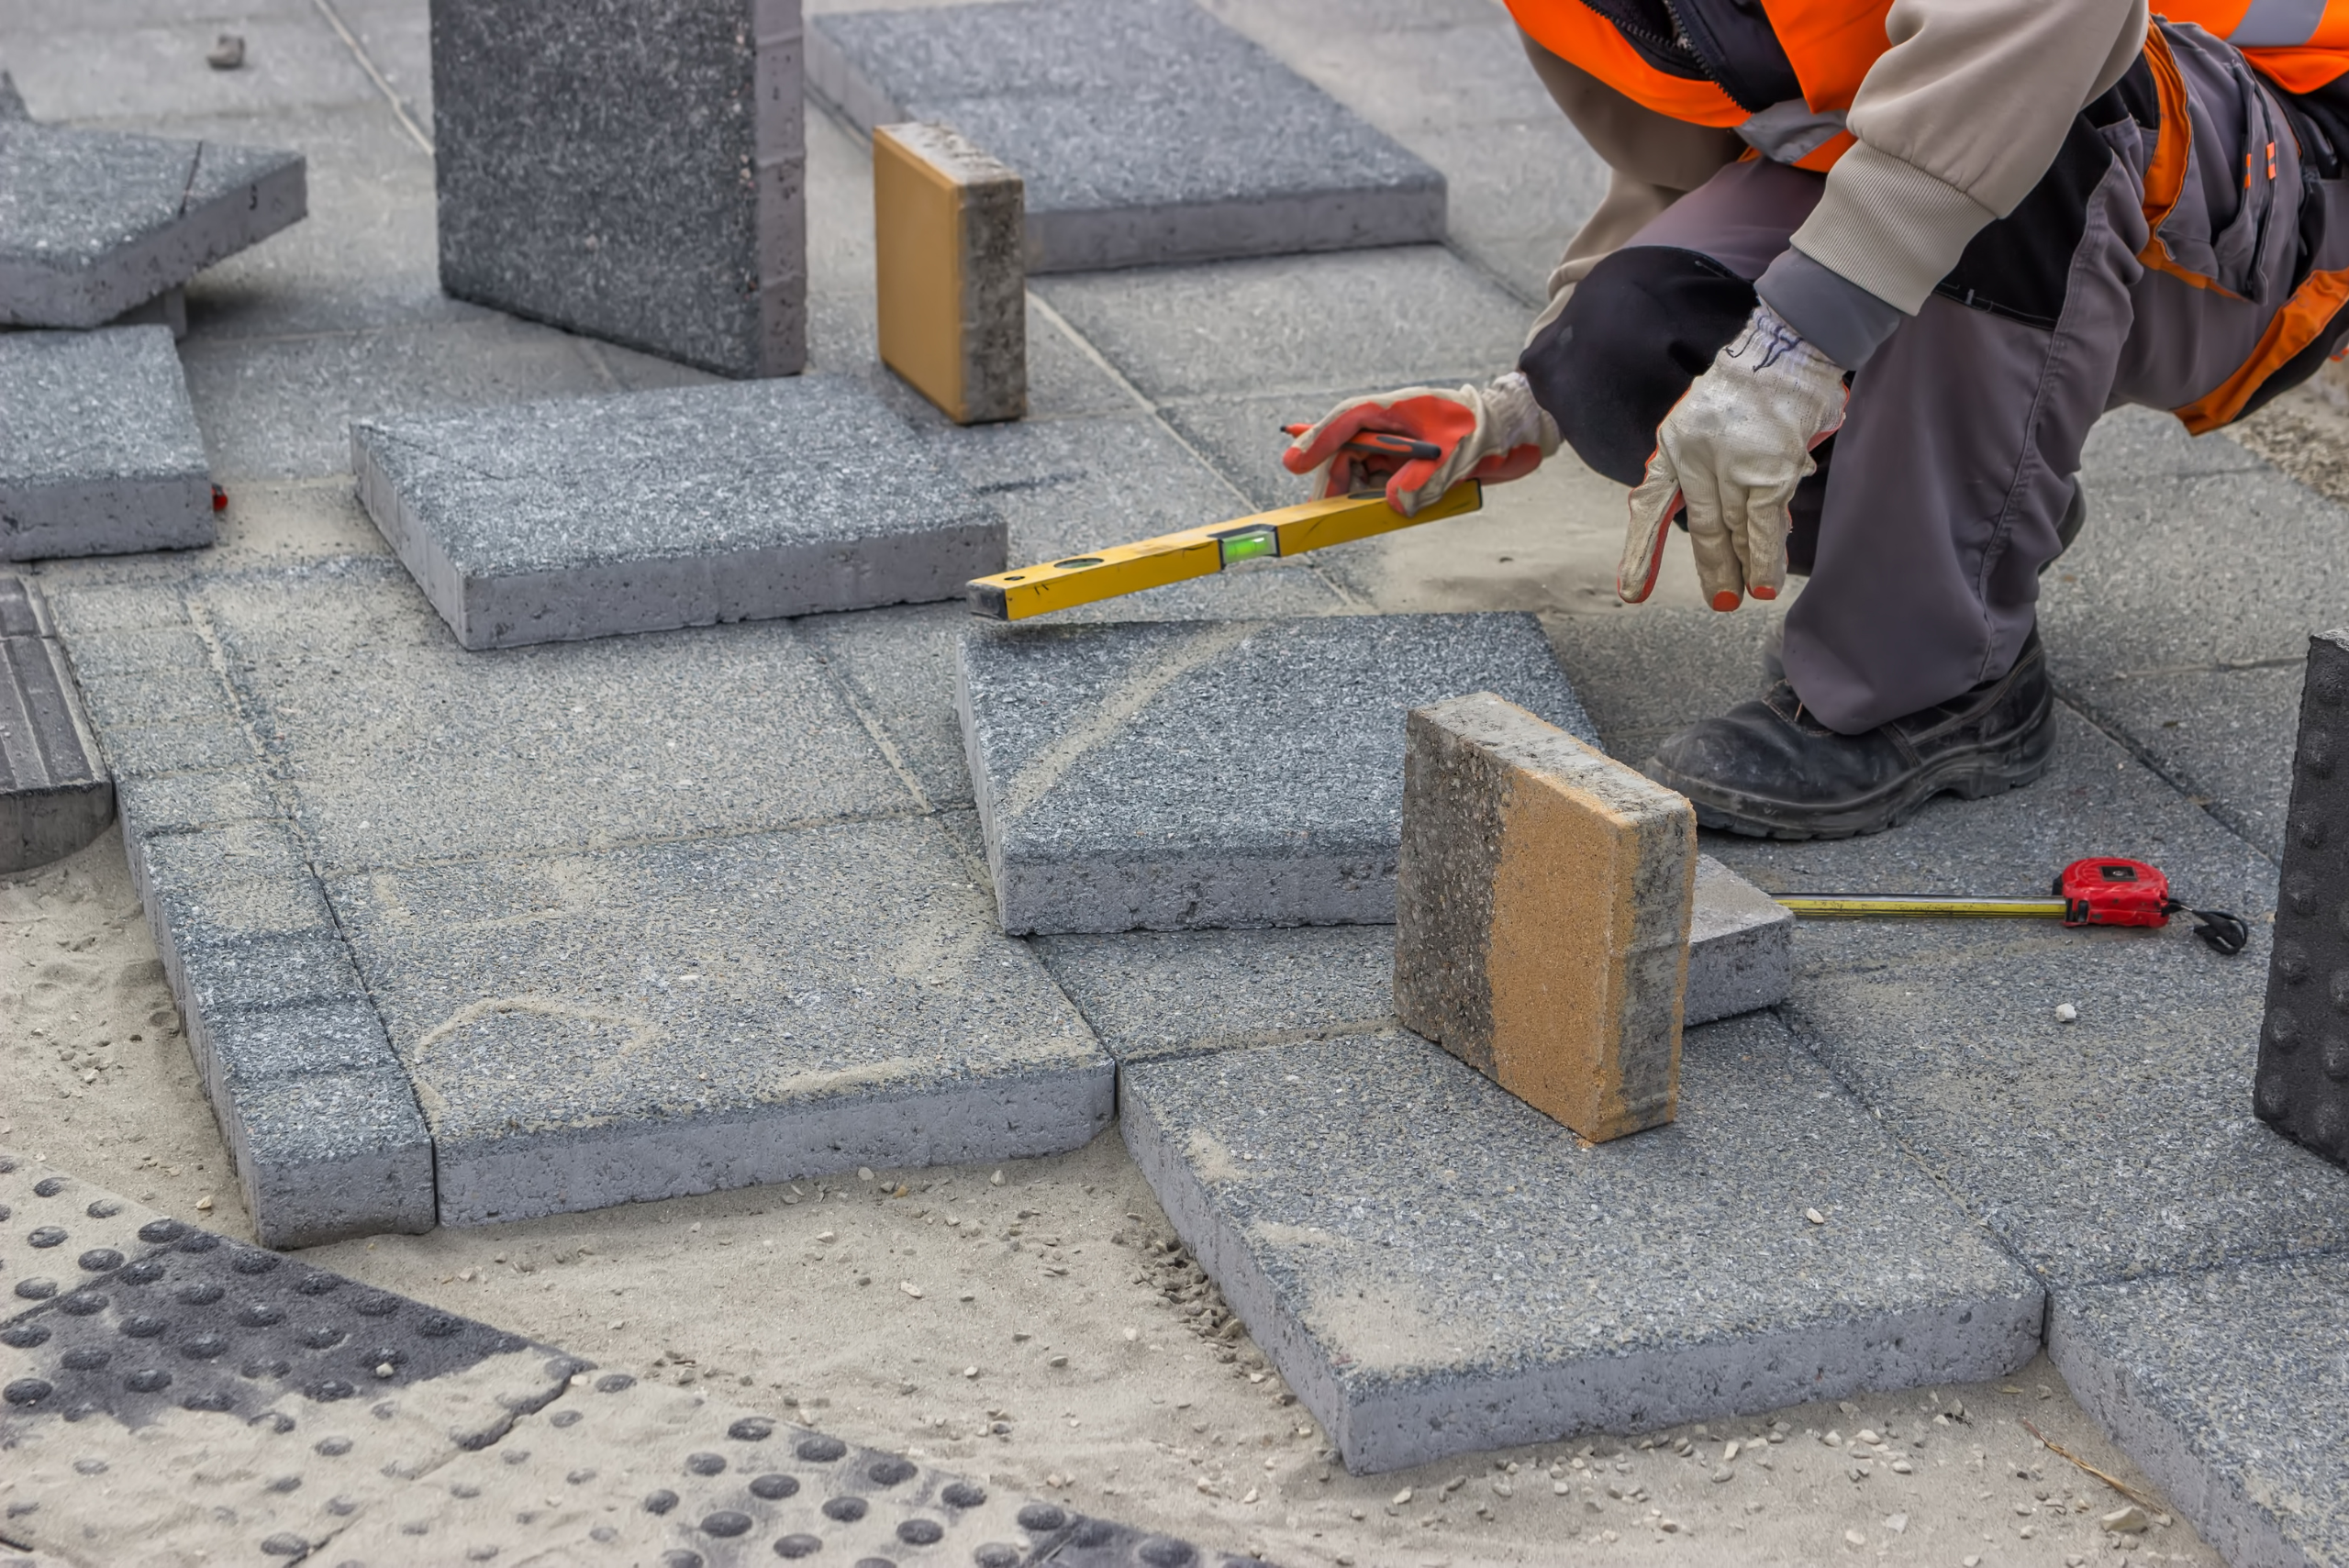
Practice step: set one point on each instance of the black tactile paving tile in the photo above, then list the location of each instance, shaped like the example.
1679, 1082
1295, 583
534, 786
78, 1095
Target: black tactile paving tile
159, 1385
2302, 1087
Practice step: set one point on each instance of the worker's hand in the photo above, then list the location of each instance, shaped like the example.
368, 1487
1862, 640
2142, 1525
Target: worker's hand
1734, 449
1493, 433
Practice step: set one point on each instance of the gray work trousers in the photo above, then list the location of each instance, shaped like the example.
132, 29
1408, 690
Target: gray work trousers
1957, 457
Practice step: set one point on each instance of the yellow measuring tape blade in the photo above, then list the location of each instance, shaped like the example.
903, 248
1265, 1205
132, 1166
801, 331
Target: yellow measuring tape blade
1958, 908
1201, 552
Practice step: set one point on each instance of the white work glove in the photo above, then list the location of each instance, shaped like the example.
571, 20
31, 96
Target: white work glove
1493, 433
1734, 449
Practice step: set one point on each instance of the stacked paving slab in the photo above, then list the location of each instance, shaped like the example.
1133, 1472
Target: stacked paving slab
646, 511
1146, 132
99, 450
333, 1420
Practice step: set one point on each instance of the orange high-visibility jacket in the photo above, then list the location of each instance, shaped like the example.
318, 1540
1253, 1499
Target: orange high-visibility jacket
2300, 45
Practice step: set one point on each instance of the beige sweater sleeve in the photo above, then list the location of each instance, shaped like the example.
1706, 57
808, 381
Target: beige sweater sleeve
1955, 123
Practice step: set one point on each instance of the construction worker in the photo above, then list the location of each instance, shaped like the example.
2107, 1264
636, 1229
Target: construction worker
1865, 275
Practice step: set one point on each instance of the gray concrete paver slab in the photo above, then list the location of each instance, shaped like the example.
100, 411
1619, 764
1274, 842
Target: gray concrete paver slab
646, 511
595, 1028
632, 171
1145, 133
2222, 1385
563, 745
96, 222
1372, 320
1435, 1267
1204, 774
146, 64
99, 450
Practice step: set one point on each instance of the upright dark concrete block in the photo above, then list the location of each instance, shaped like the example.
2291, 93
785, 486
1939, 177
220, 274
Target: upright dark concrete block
55, 795
628, 169
2303, 1082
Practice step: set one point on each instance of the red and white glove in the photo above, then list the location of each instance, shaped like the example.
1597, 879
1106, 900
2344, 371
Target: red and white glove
1495, 433
1734, 449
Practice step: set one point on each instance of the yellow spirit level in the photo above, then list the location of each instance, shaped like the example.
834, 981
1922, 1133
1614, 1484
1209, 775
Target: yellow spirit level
1201, 552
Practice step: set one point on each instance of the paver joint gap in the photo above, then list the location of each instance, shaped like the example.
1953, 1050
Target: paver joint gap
2145, 758
400, 110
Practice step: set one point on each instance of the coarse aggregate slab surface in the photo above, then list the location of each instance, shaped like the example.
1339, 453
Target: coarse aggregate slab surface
2225, 1385
164, 1383
2117, 1145
635, 171
597, 1028
1145, 131
96, 222
99, 450
673, 735
1436, 1268
646, 511
1175, 774
1153, 993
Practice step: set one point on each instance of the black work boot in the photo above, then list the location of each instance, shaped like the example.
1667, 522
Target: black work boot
1767, 769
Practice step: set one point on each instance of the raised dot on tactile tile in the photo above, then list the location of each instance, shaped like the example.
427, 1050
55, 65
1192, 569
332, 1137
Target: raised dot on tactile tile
285, 1545
83, 1304
921, 1532
377, 1305
203, 1292
47, 1236
614, 1382
963, 1494
797, 1546
440, 1326
146, 1271
726, 1524
874, 1563
1161, 1552
260, 1314
890, 1471
36, 1289
198, 1241
323, 1337
2283, 1031
24, 1336
774, 1488
101, 1260
1090, 1533
278, 1421
250, 1261
48, 1186
87, 1358
564, 1418
820, 1450
705, 1463
1042, 1517
333, 1448
143, 1325
996, 1554
90, 1467
218, 1402
678, 1557
148, 1380
27, 1391
580, 1477
660, 1502
846, 1510
751, 1430
329, 1390
158, 1232
319, 1285
2310, 831
203, 1347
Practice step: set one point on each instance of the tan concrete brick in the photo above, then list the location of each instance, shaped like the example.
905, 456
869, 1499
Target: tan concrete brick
949, 242
1542, 913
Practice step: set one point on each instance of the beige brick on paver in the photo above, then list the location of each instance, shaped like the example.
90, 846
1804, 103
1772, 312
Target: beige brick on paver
948, 232
1542, 914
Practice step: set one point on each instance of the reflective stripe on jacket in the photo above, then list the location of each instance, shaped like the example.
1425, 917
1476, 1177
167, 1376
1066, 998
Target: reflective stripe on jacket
1650, 52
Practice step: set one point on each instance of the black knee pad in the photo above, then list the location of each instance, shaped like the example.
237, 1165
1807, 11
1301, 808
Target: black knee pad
1646, 323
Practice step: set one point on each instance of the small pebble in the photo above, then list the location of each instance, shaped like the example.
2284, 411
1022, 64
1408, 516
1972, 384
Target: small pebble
1399, 1498
1897, 1524
1853, 1537
2066, 1013
227, 53
911, 1289
203, 1204
1814, 1216
2128, 1519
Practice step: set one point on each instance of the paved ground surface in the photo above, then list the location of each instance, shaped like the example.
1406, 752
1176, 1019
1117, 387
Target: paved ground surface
2119, 1147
